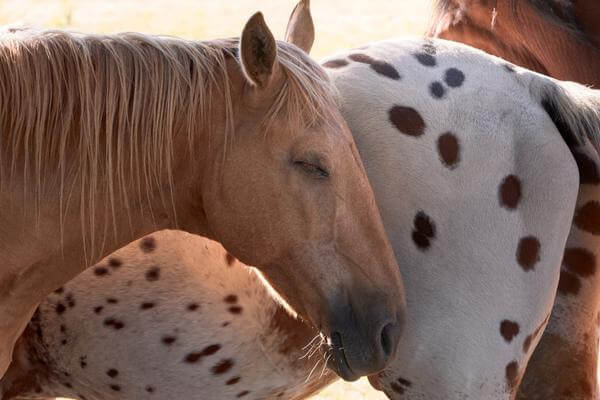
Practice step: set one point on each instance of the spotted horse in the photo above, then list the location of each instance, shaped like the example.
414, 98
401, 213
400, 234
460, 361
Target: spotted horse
476, 167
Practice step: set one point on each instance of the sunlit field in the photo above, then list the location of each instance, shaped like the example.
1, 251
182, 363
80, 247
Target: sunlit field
339, 25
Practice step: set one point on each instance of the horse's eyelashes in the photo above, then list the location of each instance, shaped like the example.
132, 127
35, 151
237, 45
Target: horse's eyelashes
312, 169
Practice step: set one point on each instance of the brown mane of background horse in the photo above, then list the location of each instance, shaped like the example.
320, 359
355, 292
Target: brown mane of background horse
111, 137
557, 38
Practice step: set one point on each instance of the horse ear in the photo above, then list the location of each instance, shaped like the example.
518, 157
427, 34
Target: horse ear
258, 51
300, 29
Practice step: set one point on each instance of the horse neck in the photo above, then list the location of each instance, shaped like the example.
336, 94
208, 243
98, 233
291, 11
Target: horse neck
521, 34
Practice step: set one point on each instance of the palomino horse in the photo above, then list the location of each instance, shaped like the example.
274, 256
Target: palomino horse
560, 39
554, 37
109, 138
473, 164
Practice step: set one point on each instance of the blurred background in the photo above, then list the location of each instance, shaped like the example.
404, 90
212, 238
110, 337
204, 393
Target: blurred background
339, 25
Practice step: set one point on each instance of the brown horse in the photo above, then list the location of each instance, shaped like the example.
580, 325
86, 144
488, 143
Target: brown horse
560, 39
108, 138
557, 38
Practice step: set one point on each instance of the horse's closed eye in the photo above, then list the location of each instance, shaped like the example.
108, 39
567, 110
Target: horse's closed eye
312, 169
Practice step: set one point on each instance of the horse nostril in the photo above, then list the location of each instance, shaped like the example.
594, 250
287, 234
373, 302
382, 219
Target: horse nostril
389, 339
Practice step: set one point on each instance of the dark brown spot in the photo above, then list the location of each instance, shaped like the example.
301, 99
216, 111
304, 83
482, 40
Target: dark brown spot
98, 309
67, 384
116, 388
404, 382
192, 306
60, 290
82, 362
112, 300
233, 380
229, 259
63, 328
423, 231
512, 374
153, 274
224, 324
510, 192
242, 394
169, 340
568, 283
335, 63
449, 149
207, 351
112, 322
407, 120
60, 308
426, 59
63, 342
508, 330
235, 309
147, 305
70, 300
580, 261
112, 372
528, 252
454, 77
222, 366
149, 389
587, 218
588, 170
397, 388
114, 262
100, 271
379, 66
437, 89
148, 244
232, 298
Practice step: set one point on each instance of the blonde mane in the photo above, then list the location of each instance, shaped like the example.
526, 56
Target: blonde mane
102, 111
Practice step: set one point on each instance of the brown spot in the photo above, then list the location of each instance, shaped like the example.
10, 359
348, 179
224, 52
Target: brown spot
588, 170
437, 89
423, 231
379, 66
235, 309
116, 388
508, 330
147, 305
169, 340
242, 394
449, 149
580, 261
512, 374
207, 351
60, 308
70, 300
112, 372
63, 342
407, 120
100, 271
224, 324
454, 77
192, 306
397, 388
510, 192
233, 380
148, 244
335, 63
149, 389
587, 218
153, 274
229, 259
112, 300
82, 362
426, 59
568, 283
528, 252
60, 290
98, 309
222, 366
63, 328
114, 262
232, 298
116, 324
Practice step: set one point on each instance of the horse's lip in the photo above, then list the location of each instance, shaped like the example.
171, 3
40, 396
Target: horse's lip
375, 381
338, 362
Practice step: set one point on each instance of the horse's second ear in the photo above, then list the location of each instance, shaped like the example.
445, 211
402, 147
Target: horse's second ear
300, 29
258, 51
